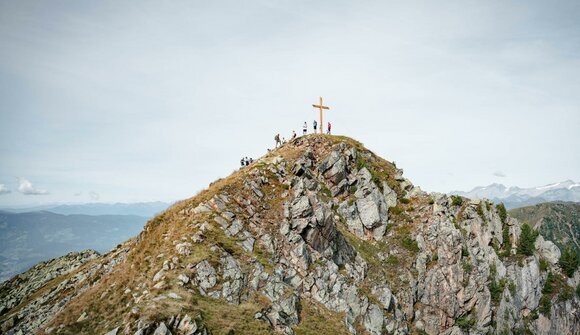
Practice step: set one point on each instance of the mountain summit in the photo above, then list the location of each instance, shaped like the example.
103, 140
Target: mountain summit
320, 236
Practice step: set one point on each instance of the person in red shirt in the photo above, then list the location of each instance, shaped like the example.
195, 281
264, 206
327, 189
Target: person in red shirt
329, 126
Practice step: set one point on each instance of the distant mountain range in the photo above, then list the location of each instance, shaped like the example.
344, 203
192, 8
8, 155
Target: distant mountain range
28, 238
514, 196
29, 235
146, 209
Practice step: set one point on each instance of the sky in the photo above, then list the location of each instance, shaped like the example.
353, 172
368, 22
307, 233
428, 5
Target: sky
128, 101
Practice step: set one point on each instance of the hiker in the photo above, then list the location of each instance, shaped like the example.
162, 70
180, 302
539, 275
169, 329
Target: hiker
277, 139
242, 163
328, 132
314, 124
304, 128
247, 161
251, 160
293, 135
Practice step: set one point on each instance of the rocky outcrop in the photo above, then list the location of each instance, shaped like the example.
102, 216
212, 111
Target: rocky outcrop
320, 222
31, 299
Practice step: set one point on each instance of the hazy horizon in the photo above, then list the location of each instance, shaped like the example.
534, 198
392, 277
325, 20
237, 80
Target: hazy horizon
116, 102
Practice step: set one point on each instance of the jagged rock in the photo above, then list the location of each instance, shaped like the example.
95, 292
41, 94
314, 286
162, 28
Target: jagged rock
183, 248
385, 296
113, 332
182, 279
301, 207
174, 295
548, 250
187, 326
82, 317
373, 320
162, 330
205, 275
233, 280
159, 275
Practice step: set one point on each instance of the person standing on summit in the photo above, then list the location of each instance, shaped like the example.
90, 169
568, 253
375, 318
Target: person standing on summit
329, 126
314, 124
304, 128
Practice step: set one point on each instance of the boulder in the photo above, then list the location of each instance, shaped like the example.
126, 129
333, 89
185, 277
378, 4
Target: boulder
205, 275
548, 250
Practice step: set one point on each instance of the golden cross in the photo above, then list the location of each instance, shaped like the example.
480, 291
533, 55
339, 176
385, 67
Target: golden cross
321, 107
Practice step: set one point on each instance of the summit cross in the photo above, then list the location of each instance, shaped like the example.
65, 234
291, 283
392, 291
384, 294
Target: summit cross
321, 107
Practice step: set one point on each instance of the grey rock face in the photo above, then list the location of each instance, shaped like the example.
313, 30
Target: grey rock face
205, 275
373, 320
548, 250
162, 330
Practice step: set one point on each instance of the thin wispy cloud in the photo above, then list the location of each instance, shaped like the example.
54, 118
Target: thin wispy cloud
25, 187
94, 196
4, 189
499, 174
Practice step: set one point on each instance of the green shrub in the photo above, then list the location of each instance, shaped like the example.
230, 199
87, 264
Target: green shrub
456, 200
502, 212
505, 234
569, 261
465, 322
410, 244
549, 284
464, 251
492, 270
467, 267
431, 201
496, 290
404, 200
543, 265
566, 293
545, 305
479, 211
578, 290
392, 260
527, 240
396, 210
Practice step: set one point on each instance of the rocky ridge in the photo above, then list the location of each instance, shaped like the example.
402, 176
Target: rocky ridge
319, 236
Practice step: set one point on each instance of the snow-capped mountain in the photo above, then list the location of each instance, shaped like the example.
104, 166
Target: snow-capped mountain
515, 196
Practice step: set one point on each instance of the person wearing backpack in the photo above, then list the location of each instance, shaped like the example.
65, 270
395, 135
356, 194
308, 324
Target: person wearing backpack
314, 124
277, 139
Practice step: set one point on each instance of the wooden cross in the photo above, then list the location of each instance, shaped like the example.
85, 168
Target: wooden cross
321, 107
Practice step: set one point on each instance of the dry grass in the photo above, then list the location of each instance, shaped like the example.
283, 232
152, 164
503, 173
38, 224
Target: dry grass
315, 319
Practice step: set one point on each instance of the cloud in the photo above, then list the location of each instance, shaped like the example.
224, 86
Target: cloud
4, 189
78, 194
499, 174
94, 195
25, 187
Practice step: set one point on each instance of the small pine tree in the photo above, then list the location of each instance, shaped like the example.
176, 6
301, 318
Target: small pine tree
505, 234
527, 240
569, 261
502, 212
